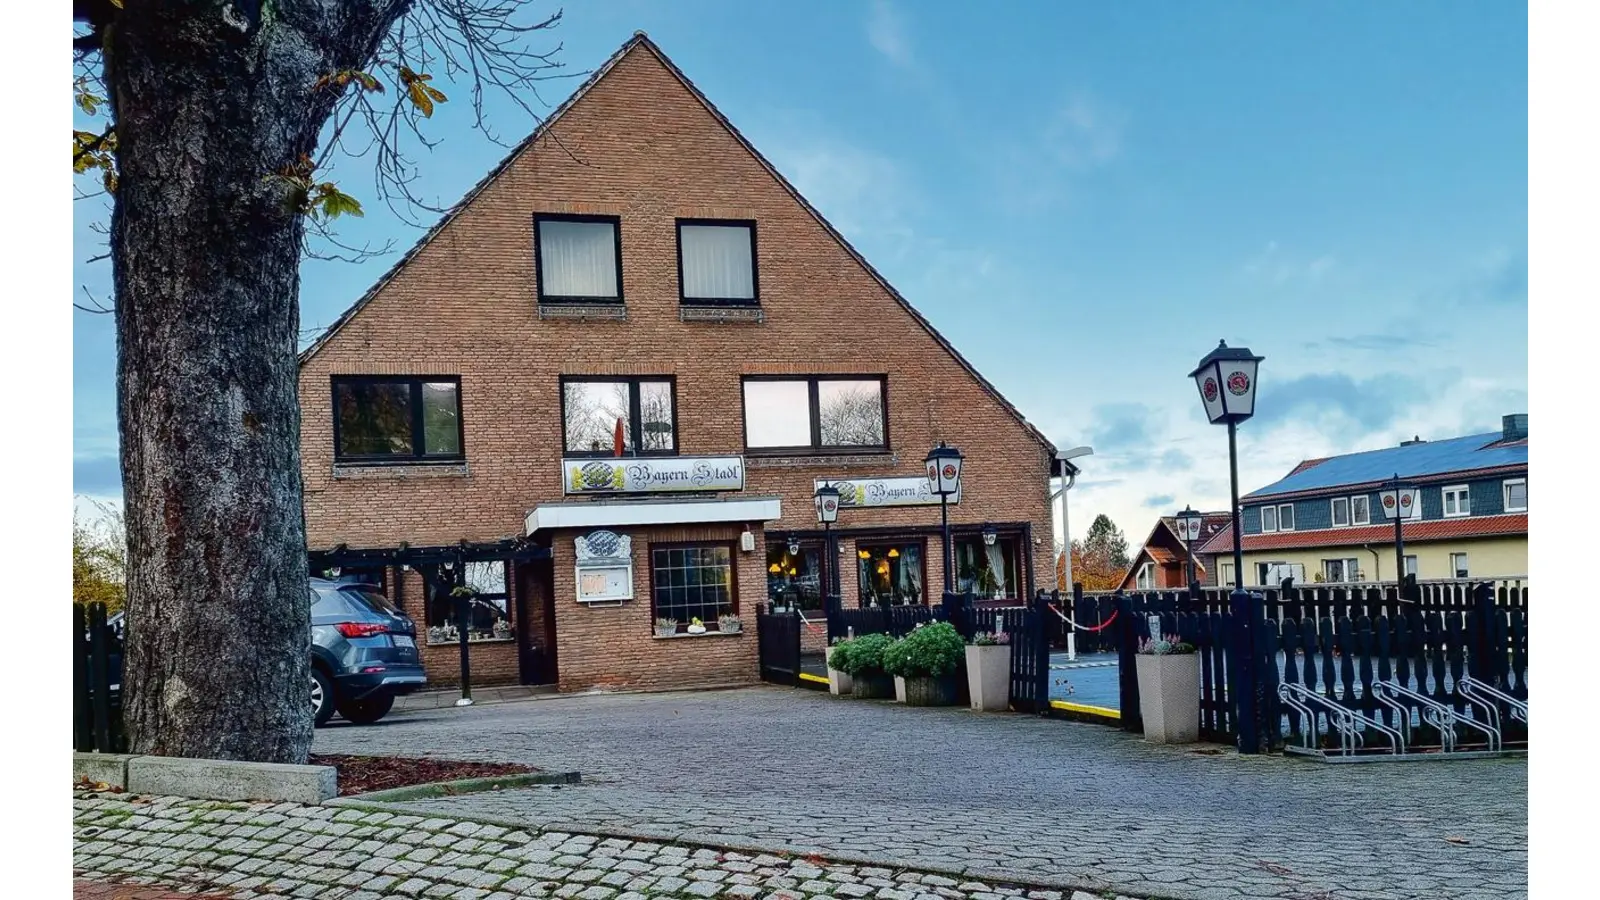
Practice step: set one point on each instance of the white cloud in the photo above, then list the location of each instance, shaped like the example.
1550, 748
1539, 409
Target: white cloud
1083, 133
1274, 266
887, 32
1035, 168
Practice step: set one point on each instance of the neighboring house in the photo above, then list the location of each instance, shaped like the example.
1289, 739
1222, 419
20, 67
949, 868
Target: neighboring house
1322, 522
636, 274
1162, 563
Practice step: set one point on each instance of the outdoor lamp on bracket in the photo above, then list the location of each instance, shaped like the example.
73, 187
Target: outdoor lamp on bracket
989, 535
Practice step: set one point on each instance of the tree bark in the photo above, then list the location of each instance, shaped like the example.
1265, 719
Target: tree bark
205, 256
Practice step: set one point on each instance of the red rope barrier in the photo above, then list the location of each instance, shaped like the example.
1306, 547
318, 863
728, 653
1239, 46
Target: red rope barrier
1101, 627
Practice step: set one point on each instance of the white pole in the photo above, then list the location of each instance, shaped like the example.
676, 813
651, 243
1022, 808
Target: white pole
1066, 566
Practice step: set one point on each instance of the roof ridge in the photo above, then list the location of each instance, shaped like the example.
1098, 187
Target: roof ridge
640, 38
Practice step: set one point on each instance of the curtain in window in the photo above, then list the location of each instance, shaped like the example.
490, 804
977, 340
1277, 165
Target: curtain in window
997, 565
717, 262
578, 259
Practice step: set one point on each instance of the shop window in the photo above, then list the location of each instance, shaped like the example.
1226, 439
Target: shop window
693, 581
794, 576
808, 415
891, 574
579, 259
988, 570
592, 407
380, 419
489, 609
717, 262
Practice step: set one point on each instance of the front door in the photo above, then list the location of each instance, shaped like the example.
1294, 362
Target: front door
536, 622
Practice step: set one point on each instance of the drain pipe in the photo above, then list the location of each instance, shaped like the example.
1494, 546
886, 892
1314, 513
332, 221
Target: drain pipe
1377, 576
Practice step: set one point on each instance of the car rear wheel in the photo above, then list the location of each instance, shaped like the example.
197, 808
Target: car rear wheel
321, 698
365, 712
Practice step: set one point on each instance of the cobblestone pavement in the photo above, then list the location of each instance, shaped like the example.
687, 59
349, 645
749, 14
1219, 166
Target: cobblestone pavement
265, 851
955, 790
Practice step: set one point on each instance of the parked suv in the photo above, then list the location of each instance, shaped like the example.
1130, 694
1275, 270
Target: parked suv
363, 653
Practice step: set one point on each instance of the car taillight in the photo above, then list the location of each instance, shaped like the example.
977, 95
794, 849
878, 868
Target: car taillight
361, 629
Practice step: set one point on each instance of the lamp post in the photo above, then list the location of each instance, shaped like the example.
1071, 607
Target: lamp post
944, 479
1226, 379
1189, 523
827, 503
1398, 500
1069, 477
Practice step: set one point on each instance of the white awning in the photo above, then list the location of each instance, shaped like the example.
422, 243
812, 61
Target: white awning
623, 513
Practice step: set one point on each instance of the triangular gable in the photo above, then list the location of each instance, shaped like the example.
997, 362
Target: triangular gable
640, 40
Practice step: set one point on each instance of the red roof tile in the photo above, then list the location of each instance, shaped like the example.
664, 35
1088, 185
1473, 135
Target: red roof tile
1430, 530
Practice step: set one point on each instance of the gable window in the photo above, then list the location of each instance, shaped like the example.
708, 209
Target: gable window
1515, 492
693, 581
1286, 517
579, 258
1360, 511
816, 414
1146, 579
1457, 501
717, 262
1458, 565
1341, 512
1269, 518
396, 419
592, 407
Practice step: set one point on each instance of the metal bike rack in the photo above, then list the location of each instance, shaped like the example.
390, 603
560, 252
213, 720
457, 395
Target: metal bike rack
1440, 716
1347, 722
1480, 694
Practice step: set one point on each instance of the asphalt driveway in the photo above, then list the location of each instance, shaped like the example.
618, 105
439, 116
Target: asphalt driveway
949, 788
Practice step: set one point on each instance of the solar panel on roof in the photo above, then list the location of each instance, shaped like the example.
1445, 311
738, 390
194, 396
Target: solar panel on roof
1411, 461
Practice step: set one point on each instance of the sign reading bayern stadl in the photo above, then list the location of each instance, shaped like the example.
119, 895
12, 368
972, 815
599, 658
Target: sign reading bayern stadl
651, 475
896, 491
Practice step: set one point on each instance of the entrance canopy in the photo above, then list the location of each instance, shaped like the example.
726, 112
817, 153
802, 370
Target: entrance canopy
624, 513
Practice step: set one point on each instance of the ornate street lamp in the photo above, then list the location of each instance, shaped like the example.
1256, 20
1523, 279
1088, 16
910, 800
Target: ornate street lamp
989, 535
1399, 502
1189, 523
827, 503
1226, 379
944, 479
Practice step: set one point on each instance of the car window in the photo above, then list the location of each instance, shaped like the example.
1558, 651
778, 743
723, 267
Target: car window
331, 602
371, 599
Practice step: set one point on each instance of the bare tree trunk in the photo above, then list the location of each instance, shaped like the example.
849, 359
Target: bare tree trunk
206, 260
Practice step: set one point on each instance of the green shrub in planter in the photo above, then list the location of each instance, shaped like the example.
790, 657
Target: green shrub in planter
861, 657
929, 651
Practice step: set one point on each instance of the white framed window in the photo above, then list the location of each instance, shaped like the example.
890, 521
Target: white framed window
1272, 574
1457, 501
1360, 511
1411, 564
1269, 518
1286, 517
1458, 565
1225, 574
1341, 511
1340, 569
1515, 492
1146, 579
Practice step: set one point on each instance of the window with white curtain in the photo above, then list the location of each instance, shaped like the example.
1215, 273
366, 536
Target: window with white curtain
578, 259
717, 261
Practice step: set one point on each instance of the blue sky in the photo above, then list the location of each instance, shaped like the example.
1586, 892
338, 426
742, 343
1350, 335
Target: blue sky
1085, 197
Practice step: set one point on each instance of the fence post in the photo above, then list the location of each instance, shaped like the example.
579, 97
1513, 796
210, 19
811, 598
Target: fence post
1041, 651
1244, 680
464, 624
1480, 661
1127, 676
100, 677
836, 628
82, 733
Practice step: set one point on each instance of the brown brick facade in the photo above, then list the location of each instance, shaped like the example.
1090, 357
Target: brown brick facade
639, 143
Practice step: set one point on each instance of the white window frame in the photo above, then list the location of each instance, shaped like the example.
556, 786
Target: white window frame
1505, 495
1333, 512
1225, 575
1144, 580
1413, 566
1264, 511
1466, 563
1460, 492
1290, 508
1366, 505
1348, 565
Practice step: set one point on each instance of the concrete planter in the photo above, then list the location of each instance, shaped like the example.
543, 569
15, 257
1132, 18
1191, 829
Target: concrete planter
1169, 697
989, 676
899, 689
840, 684
939, 690
872, 687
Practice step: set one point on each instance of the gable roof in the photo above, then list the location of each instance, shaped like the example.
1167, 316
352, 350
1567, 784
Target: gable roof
1421, 460
639, 41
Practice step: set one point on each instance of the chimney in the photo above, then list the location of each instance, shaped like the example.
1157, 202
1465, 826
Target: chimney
1514, 427
1415, 440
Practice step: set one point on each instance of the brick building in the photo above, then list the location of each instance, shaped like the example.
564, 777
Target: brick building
636, 277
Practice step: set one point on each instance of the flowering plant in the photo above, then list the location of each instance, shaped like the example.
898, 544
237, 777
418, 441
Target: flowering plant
1167, 645
991, 638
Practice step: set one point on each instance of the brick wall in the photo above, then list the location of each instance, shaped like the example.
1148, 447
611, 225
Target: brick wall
639, 145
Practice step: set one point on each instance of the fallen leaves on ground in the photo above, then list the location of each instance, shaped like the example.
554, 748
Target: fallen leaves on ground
95, 787
365, 774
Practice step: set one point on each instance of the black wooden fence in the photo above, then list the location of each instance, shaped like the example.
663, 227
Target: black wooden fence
96, 682
778, 646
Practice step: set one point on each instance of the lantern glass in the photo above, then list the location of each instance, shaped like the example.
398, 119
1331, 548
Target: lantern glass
1226, 380
1189, 525
827, 503
1239, 387
944, 470
1209, 382
989, 536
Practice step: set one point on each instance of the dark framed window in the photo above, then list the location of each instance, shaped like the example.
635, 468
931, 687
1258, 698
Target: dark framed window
488, 610
591, 407
794, 576
820, 413
397, 419
892, 574
693, 581
717, 263
991, 571
578, 259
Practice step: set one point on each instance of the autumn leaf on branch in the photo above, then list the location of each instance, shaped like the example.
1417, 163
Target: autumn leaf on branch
422, 95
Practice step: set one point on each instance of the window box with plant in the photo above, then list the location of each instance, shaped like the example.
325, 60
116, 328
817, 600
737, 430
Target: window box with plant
729, 624
1169, 690
666, 627
862, 659
989, 671
929, 660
